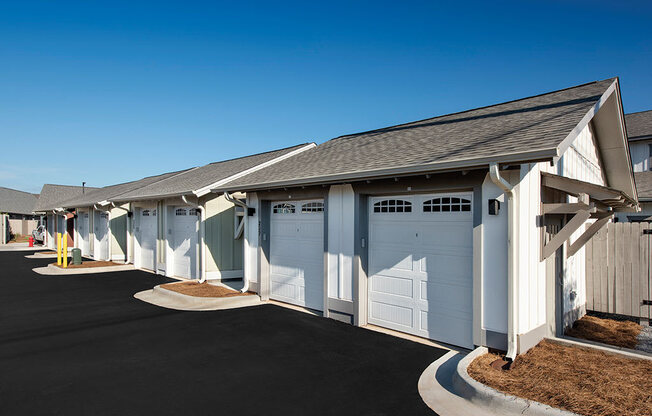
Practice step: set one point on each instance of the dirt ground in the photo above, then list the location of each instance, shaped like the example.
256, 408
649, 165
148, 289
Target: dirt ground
89, 264
609, 331
583, 381
203, 290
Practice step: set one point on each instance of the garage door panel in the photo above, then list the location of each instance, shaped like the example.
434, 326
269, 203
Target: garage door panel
283, 229
452, 328
451, 268
391, 232
451, 235
393, 285
421, 267
383, 260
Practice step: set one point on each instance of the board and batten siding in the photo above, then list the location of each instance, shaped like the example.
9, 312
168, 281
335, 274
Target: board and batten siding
223, 252
580, 161
640, 154
341, 223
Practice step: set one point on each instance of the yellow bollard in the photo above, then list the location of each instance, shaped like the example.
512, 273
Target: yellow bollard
65, 250
59, 249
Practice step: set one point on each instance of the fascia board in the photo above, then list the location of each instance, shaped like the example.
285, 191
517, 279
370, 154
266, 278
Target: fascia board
543, 155
565, 144
209, 188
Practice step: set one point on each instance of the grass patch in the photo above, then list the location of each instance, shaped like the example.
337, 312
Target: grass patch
608, 331
584, 381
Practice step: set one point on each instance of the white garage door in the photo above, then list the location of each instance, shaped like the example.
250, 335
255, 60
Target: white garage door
297, 253
83, 224
101, 228
184, 242
421, 265
145, 231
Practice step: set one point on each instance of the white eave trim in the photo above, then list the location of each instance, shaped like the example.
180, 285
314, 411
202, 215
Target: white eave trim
209, 188
565, 144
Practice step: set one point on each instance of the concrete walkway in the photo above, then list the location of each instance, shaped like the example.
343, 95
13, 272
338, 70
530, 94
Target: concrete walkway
178, 301
51, 270
20, 247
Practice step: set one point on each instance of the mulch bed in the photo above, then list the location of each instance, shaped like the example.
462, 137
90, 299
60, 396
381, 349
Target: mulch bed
202, 290
89, 264
584, 381
608, 331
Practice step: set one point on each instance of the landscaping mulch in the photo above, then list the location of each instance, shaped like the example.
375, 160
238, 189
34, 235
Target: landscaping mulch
584, 381
89, 264
202, 290
608, 331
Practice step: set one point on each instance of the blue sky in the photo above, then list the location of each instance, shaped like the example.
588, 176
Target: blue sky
106, 92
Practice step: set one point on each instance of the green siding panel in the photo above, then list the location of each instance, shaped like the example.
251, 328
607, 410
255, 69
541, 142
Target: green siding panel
223, 252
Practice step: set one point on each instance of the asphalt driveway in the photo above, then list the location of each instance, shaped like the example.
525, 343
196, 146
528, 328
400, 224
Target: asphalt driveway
82, 345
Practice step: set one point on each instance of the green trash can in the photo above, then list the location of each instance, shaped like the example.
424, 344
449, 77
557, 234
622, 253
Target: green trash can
76, 256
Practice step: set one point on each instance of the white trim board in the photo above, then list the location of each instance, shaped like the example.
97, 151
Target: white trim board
207, 189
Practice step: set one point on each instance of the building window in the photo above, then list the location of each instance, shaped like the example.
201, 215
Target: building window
193, 211
649, 159
447, 204
146, 213
312, 207
393, 205
180, 211
284, 209
153, 213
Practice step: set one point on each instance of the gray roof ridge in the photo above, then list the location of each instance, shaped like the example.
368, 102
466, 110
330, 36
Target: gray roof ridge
351, 135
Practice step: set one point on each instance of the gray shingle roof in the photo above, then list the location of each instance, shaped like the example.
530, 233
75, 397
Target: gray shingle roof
13, 201
639, 125
52, 196
643, 184
202, 176
108, 192
508, 132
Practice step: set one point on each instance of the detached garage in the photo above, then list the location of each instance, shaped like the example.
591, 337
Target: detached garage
447, 228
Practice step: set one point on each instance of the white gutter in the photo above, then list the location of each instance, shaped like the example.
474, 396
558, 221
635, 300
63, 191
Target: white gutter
512, 284
228, 197
126, 231
202, 242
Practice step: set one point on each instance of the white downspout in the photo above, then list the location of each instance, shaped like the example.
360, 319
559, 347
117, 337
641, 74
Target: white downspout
228, 197
128, 240
202, 242
512, 284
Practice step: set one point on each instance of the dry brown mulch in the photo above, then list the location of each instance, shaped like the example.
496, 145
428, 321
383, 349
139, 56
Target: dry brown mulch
584, 381
608, 331
202, 290
89, 264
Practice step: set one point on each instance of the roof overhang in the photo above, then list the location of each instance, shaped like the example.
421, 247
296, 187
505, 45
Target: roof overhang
543, 155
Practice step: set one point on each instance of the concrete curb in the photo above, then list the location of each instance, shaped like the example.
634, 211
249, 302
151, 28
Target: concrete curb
51, 270
10, 247
493, 399
436, 389
178, 301
598, 346
41, 256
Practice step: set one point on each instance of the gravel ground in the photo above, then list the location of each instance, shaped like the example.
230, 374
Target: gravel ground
645, 339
